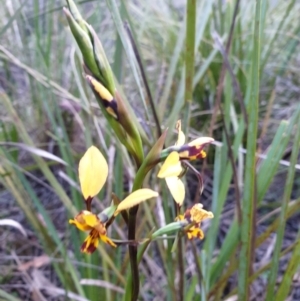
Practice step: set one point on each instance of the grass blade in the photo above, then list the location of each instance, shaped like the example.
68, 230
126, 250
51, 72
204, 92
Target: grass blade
249, 200
283, 218
286, 282
113, 7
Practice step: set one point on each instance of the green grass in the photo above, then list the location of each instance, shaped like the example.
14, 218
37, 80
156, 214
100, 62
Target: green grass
228, 70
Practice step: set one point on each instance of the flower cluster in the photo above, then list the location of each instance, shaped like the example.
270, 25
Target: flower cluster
93, 168
93, 171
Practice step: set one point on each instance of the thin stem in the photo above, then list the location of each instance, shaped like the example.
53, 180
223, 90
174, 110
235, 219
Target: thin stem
235, 176
135, 280
135, 283
198, 267
181, 269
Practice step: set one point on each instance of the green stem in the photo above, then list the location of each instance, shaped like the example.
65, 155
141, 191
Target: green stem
189, 60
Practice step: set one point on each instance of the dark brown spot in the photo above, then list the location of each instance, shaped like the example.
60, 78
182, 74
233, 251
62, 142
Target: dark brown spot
187, 215
91, 248
88, 203
111, 107
83, 246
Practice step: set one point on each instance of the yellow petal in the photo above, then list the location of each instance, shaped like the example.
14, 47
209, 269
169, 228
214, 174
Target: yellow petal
177, 189
171, 166
93, 172
201, 141
136, 198
198, 214
107, 240
80, 222
195, 232
80, 226
90, 219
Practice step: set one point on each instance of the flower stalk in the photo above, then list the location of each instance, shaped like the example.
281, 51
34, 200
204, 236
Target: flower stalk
93, 168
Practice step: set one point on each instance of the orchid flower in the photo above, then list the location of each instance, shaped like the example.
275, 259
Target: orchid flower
194, 216
189, 223
93, 171
172, 170
87, 221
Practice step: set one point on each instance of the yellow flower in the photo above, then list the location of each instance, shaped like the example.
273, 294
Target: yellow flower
194, 216
171, 170
93, 172
87, 221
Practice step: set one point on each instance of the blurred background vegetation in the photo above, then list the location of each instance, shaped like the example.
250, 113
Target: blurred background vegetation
244, 51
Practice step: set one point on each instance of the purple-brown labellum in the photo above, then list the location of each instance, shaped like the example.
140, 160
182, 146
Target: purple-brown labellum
187, 215
187, 152
92, 239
